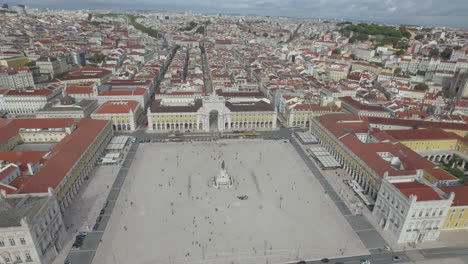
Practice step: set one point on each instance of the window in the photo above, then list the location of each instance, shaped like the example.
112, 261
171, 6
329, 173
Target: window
7, 259
22, 241
18, 259
12, 242
2, 242
456, 224
28, 256
420, 213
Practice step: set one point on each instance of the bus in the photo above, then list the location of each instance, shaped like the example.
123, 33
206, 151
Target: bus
249, 134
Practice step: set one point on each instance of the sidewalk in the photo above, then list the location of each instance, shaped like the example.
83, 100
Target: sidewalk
82, 213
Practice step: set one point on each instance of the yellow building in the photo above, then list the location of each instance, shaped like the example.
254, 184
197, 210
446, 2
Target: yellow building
13, 62
457, 217
431, 139
210, 114
124, 114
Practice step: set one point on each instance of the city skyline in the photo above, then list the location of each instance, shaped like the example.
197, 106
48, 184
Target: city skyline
419, 12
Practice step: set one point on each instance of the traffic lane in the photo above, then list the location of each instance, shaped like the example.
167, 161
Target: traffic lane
81, 257
383, 258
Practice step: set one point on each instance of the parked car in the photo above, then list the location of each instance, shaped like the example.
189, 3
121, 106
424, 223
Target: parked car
324, 260
365, 261
102, 211
396, 258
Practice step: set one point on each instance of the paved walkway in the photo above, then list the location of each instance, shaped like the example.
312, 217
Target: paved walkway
86, 254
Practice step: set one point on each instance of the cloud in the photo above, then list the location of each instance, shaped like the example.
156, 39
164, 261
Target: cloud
450, 13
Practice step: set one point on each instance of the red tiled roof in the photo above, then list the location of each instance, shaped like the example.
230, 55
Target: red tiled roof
11, 128
117, 107
7, 188
39, 92
421, 134
79, 90
422, 191
360, 106
419, 123
64, 156
461, 194
137, 91
440, 174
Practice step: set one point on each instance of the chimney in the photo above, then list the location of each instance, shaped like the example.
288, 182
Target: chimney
30, 169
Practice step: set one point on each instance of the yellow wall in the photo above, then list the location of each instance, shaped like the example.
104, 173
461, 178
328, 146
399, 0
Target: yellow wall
461, 133
457, 218
14, 63
181, 118
419, 145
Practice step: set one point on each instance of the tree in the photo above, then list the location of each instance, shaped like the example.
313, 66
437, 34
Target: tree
61, 75
449, 94
400, 53
419, 37
397, 71
422, 73
446, 54
421, 87
434, 53
99, 57
265, 35
30, 64
200, 29
362, 37
336, 51
352, 39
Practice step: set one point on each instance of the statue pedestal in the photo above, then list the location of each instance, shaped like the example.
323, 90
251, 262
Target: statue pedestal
223, 179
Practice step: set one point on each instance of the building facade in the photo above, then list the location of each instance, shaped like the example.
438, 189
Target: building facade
457, 217
32, 229
212, 113
411, 209
28, 101
123, 114
16, 79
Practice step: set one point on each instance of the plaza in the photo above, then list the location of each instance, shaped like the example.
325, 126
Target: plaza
276, 211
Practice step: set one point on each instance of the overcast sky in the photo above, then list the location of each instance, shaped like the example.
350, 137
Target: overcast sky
452, 13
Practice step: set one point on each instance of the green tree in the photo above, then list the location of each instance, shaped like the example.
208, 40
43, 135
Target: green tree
354, 57
400, 53
434, 53
397, 71
422, 73
449, 94
446, 54
419, 37
265, 35
336, 51
421, 87
362, 37
61, 75
30, 64
99, 57
200, 30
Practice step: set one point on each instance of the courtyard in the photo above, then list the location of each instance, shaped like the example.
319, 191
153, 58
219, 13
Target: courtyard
276, 211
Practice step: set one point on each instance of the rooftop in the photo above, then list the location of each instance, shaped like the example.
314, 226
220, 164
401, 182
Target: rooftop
422, 191
12, 210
